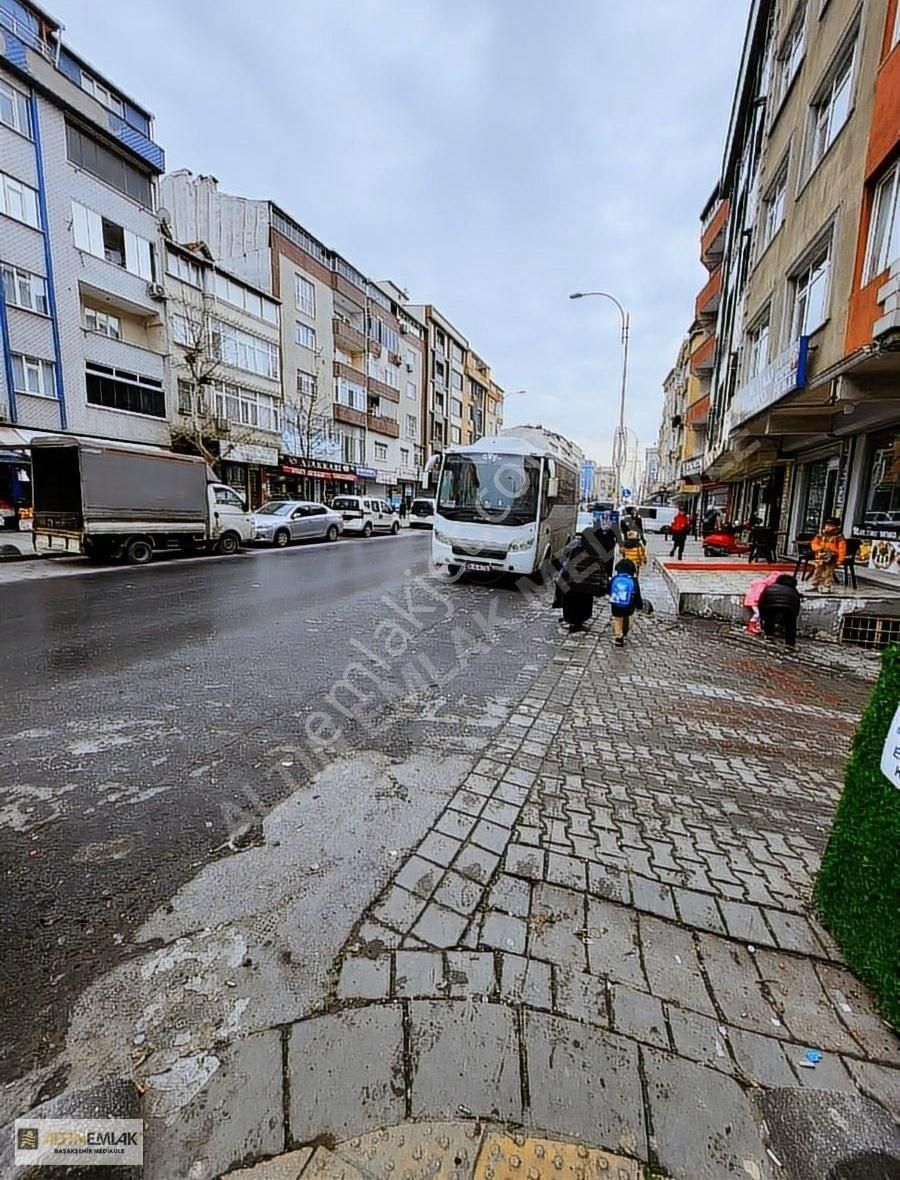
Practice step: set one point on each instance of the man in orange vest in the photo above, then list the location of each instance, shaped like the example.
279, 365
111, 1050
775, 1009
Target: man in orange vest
829, 548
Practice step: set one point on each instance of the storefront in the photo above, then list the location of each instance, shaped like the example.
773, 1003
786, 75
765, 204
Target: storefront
820, 488
15, 490
876, 518
312, 479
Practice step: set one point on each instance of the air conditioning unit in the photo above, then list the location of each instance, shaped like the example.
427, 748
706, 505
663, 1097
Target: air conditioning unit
223, 426
403, 329
156, 291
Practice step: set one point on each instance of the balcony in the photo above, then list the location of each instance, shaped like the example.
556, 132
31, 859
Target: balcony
348, 415
710, 297
381, 425
355, 376
697, 413
347, 336
704, 358
386, 391
712, 235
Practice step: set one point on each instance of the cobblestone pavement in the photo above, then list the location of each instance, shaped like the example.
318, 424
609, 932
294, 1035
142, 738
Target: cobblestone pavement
604, 937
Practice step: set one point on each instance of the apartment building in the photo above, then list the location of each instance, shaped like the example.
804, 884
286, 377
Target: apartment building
671, 470
342, 363
804, 410
405, 459
81, 301
224, 370
443, 402
493, 414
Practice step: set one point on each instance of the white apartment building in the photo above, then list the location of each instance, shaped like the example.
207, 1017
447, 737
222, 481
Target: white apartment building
225, 370
81, 298
403, 456
444, 380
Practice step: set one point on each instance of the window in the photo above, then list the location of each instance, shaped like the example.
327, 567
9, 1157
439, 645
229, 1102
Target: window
351, 447
243, 350
790, 55
305, 295
14, 111
306, 335
117, 389
456, 380
102, 322
184, 268
831, 108
307, 386
380, 452
809, 289
411, 390
391, 377
246, 407
404, 456
188, 399
353, 396
23, 289
102, 94
410, 359
881, 504
32, 375
455, 434
758, 347
773, 207
384, 334
456, 353
251, 301
18, 200
412, 426
456, 407
88, 153
227, 496
884, 231
104, 239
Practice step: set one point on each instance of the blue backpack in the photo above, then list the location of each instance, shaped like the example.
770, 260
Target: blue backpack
621, 590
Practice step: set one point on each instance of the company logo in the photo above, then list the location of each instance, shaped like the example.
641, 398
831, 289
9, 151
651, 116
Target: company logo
85, 1142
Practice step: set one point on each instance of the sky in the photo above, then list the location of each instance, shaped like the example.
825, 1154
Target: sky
489, 156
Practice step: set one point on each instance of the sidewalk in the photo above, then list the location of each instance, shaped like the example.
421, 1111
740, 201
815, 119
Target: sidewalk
602, 942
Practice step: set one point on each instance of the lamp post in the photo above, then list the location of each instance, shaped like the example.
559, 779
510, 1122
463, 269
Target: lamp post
620, 443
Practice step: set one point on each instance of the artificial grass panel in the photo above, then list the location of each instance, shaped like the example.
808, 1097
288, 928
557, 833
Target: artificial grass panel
857, 891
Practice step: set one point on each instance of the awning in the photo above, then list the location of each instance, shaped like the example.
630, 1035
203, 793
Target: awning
11, 437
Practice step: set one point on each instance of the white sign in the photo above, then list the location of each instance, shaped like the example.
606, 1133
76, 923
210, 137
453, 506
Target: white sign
250, 453
890, 756
692, 466
785, 374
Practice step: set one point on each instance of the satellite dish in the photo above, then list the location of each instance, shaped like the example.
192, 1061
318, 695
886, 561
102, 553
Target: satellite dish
165, 217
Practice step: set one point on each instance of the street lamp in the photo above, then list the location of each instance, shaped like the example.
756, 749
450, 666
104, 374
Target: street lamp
619, 448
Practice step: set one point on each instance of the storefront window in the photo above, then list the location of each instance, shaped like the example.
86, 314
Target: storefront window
881, 505
818, 503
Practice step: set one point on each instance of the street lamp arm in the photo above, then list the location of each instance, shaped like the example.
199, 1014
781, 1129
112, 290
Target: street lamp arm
604, 295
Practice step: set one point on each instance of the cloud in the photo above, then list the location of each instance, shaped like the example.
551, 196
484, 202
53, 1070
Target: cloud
490, 155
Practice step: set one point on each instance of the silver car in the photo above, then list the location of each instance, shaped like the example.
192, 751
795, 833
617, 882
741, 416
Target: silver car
279, 522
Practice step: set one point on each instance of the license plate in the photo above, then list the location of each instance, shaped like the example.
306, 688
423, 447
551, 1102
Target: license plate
478, 565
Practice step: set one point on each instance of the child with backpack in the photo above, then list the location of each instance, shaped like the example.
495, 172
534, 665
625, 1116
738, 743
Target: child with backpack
624, 599
632, 546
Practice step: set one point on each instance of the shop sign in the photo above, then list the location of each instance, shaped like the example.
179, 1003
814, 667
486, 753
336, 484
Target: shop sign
387, 477
251, 453
880, 552
785, 374
366, 472
320, 466
692, 466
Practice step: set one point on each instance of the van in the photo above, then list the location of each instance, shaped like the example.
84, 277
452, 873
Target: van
421, 513
366, 515
657, 518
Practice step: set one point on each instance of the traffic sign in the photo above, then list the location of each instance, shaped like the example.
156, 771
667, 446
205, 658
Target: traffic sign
627, 493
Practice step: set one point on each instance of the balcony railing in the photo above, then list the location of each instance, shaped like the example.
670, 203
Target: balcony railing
382, 425
383, 390
711, 296
347, 414
27, 35
349, 336
712, 235
354, 376
704, 358
697, 412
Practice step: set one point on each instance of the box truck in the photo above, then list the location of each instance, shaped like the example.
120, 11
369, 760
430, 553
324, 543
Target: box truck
113, 500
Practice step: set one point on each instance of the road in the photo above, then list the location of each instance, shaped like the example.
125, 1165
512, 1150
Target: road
150, 714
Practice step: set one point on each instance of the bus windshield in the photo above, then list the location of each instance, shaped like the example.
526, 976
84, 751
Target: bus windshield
495, 489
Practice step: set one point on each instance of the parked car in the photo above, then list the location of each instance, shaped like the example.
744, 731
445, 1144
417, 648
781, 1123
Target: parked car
421, 514
366, 515
113, 501
279, 522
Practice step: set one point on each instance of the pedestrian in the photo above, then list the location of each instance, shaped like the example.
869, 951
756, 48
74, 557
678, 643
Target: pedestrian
624, 599
829, 549
583, 576
710, 520
633, 548
403, 508
632, 521
679, 529
779, 606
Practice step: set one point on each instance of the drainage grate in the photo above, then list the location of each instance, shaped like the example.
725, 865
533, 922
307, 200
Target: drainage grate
871, 631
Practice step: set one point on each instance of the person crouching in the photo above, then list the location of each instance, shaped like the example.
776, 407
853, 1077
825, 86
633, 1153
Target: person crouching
624, 599
779, 606
583, 576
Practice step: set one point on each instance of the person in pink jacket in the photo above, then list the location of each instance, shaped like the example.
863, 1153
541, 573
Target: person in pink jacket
751, 600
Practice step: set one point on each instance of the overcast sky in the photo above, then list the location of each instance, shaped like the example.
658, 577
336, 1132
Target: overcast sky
488, 155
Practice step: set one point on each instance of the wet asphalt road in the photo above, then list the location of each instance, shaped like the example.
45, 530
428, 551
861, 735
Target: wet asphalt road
146, 714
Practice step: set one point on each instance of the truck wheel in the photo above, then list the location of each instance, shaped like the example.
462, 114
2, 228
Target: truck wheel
139, 551
228, 544
395, 529
333, 533
367, 529
281, 539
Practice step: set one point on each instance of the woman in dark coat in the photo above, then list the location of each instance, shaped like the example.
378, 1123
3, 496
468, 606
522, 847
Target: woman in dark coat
584, 575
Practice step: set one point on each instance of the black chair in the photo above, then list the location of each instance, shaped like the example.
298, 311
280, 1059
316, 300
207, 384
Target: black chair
762, 544
849, 563
803, 568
